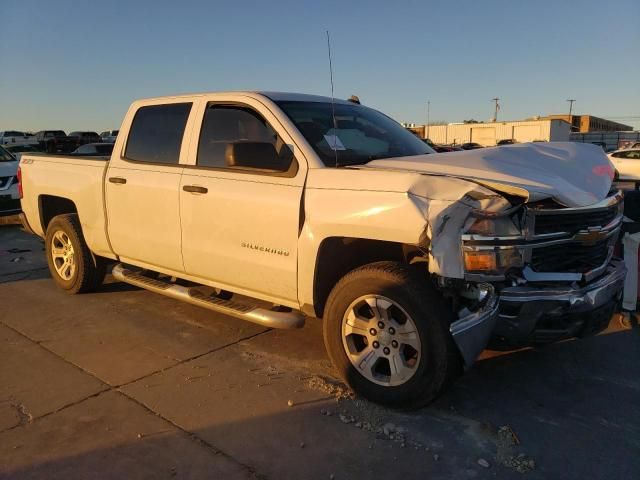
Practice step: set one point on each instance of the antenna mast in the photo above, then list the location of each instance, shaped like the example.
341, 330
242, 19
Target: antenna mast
333, 109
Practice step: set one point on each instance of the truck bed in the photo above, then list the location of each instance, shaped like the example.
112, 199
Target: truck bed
79, 179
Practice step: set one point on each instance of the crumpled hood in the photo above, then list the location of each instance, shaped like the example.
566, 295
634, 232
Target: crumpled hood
573, 174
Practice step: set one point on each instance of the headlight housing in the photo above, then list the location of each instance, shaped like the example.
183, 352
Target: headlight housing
493, 261
494, 227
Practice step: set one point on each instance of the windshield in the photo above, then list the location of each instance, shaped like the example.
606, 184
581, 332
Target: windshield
6, 156
360, 134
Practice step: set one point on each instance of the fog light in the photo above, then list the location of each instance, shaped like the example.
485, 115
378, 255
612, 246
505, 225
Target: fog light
480, 261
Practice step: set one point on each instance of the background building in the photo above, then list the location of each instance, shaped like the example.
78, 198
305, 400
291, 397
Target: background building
589, 123
488, 134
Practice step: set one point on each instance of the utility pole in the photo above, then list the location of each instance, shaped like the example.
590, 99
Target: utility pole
428, 117
497, 107
571, 100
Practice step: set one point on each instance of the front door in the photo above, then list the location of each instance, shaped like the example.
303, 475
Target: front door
240, 222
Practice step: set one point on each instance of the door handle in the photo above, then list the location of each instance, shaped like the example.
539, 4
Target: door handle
195, 189
118, 180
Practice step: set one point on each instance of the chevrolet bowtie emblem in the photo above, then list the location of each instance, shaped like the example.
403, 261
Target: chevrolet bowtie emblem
592, 235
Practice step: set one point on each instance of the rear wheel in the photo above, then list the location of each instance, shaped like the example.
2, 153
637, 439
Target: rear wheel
386, 330
72, 265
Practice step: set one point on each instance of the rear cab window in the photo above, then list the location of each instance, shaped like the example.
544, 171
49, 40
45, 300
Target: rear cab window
156, 133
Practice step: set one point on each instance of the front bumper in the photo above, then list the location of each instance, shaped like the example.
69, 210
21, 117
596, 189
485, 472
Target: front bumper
540, 314
472, 332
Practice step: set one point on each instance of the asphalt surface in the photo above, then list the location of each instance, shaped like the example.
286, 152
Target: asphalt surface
124, 383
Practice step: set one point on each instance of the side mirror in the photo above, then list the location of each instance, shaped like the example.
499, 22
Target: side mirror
260, 155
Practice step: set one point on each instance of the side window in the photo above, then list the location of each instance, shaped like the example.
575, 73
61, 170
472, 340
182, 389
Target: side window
634, 154
225, 126
156, 133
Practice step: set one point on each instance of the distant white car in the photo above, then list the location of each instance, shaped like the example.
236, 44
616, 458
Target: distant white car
627, 163
14, 137
9, 196
109, 136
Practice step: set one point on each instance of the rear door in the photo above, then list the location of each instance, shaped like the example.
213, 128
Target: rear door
142, 185
240, 225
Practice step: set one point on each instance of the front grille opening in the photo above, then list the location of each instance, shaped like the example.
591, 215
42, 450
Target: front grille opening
573, 257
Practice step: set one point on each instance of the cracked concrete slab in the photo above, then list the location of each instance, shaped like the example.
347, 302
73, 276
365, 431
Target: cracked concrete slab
119, 333
19, 252
238, 400
34, 382
109, 436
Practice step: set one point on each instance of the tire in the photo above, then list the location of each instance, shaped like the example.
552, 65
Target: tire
84, 272
403, 293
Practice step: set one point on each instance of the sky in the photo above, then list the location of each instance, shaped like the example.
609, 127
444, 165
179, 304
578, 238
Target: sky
77, 65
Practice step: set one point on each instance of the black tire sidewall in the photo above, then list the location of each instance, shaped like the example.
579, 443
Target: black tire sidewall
422, 303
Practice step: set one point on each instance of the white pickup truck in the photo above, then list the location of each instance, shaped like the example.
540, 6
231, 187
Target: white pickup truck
274, 207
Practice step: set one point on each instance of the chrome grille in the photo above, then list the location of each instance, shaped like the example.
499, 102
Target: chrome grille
551, 222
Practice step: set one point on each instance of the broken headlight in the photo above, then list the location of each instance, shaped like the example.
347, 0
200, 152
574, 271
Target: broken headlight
494, 227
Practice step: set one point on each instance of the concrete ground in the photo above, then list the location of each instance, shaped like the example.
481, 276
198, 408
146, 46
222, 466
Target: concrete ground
123, 383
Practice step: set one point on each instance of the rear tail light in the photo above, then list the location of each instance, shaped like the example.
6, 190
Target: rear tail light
19, 175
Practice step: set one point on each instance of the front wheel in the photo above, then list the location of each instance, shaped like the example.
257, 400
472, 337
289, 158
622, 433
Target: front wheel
72, 265
386, 329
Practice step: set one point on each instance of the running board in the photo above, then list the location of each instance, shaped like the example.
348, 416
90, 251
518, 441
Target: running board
244, 311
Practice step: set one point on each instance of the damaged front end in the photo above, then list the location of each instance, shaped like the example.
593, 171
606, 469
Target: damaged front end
552, 266
520, 273
533, 225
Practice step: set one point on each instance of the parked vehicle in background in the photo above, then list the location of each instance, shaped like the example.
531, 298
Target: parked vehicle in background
18, 150
9, 190
441, 148
109, 136
82, 138
54, 141
506, 141
446, 148
94, 149
14, 137
413, 260
626, 163
471, 146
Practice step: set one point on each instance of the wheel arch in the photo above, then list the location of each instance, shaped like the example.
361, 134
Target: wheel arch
337, 256
50, 206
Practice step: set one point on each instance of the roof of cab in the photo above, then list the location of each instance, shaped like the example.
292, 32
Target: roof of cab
275, 96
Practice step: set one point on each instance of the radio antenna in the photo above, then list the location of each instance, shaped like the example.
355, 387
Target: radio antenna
333, 109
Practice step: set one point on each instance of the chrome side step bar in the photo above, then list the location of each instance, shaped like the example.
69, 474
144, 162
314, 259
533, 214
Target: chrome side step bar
244, 311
